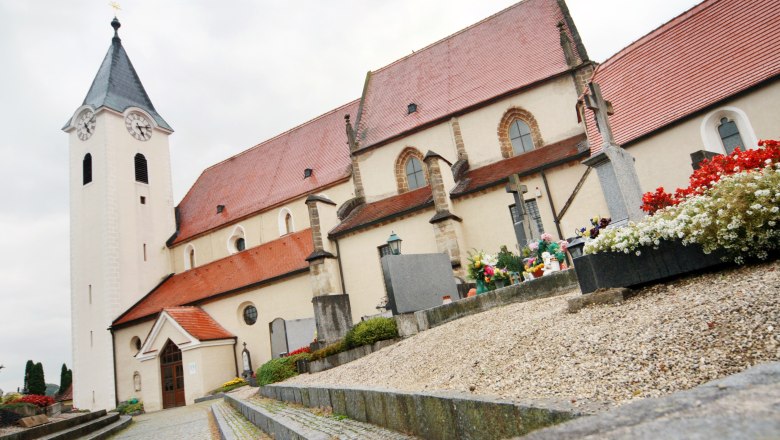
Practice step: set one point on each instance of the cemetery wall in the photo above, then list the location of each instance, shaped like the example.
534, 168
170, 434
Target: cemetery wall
258, 229
664, 159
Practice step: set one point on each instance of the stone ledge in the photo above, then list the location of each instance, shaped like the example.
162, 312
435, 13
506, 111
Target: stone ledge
50, 428
440, 415
607, 296
344, 357
741, 406
543, 287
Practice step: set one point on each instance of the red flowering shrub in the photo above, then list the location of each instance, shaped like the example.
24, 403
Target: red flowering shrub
37, 400
299, 351
711, 171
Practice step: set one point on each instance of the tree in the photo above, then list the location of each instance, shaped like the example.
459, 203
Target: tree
37, 383
27, 370
66, 378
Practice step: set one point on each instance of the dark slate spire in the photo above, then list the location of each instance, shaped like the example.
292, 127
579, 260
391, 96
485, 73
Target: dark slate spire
116, 84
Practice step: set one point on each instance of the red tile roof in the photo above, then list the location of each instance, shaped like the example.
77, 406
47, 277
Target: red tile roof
268, 174
198, 323
372, 213
66, 395
512, 49
714, 50
255, 265
495, 173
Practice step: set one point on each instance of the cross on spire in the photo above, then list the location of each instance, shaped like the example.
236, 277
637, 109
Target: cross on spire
602, 109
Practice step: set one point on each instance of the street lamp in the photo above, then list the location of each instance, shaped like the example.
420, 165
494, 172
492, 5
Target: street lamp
394, 243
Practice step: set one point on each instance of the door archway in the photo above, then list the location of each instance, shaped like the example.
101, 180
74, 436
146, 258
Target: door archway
172, 375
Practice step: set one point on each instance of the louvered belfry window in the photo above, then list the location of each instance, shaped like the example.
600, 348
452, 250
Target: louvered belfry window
86, 169
141, 171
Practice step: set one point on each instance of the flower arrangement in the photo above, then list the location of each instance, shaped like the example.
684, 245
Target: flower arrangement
711, 171
481, 266
304, 349
537, 248
37, 400
598, 223
739, 214
232, 382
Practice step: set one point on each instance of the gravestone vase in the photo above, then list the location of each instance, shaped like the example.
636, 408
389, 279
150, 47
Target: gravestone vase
481, 287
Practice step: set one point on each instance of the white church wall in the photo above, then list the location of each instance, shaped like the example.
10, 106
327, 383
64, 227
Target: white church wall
360, 258
663, 159
127, 365
205, 369
551, 104
287, 299
377, 166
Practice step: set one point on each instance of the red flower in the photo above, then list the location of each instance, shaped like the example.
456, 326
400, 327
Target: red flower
711, 171
37, 400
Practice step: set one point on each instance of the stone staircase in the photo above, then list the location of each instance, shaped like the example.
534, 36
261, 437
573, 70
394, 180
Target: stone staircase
248, 418
96, 425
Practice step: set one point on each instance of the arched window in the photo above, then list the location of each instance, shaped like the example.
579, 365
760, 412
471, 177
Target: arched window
518, 132
410, 170
141, 172
520, 136
237, 240
415, 178
288, 225
729, 135
726, 128
189, 257
86, 169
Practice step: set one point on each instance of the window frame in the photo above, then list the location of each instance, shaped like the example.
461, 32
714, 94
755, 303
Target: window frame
86, 169
141, 166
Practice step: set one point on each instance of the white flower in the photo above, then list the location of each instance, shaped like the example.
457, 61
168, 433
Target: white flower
774, 210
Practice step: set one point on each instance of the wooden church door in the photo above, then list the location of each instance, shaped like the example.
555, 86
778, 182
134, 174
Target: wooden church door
172, 373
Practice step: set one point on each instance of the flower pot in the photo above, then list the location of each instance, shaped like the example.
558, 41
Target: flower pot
500, 283
472, 292
538, 273
481, 287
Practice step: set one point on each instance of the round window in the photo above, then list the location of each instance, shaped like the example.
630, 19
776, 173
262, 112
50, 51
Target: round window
250, 315
240, 244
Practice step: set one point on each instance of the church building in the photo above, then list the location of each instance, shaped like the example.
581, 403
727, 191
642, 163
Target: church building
281, 243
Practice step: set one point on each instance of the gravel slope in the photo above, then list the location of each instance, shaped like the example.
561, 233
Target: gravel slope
667, 338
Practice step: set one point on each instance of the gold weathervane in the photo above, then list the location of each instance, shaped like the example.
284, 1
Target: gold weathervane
116, 7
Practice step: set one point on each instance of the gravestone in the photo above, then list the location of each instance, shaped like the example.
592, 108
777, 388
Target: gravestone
521, 221
417, 282
333, 314
300, 332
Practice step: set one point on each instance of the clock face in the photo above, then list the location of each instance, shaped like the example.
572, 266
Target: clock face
138, 126
85, 125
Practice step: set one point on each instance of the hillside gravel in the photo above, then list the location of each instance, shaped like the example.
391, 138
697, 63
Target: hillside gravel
668, 337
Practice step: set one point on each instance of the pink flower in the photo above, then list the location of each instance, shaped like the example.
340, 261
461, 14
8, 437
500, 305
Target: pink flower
547, 237
533, 246
489, 271
563, 244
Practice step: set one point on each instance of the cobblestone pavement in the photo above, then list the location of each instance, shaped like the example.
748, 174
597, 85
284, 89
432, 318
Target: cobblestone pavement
185, 423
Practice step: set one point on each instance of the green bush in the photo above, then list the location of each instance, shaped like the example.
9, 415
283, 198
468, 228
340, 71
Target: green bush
370, 331
10, 397
277, 370
328, 350
37, 382
129, 408
20, 408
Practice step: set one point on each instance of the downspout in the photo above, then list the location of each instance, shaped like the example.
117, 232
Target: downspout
552, 206
113, 353
341, 271
235, 358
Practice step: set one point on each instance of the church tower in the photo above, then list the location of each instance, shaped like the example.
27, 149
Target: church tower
121, 214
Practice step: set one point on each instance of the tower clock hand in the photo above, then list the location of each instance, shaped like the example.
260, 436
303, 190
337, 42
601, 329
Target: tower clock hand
87, 127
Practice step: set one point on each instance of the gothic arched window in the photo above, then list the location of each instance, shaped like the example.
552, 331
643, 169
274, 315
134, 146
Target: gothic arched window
86, 169
288, 224
520, 136
729, 135
415, 176
141, 171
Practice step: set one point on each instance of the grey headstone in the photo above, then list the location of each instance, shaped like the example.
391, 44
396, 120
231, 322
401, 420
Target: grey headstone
333, 315
417, 282
300, 332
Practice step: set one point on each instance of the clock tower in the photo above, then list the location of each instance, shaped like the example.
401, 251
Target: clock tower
121, 214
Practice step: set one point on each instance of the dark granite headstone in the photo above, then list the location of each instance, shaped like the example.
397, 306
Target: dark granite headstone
417, 282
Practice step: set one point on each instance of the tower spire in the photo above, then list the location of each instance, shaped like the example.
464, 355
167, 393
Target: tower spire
116, 25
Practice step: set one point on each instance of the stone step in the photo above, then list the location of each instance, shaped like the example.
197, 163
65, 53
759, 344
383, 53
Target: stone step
232, 425
84, 429
50, 428
283, 421
122, 423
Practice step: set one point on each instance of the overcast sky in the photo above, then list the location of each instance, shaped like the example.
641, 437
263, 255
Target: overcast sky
225, 76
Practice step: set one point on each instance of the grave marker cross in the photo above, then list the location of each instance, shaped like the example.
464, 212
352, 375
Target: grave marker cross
602, 109
521, 223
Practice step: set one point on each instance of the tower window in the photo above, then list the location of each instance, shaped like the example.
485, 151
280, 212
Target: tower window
240, 244
415, 177
729, 135
288, 224
192, 257
141, 171
144, 251
520, 135
143, 200
86, 169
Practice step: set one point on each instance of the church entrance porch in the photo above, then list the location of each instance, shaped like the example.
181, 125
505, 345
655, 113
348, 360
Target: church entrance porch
172, 373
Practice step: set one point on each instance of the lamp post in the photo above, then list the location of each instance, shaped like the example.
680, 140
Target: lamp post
394, 243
